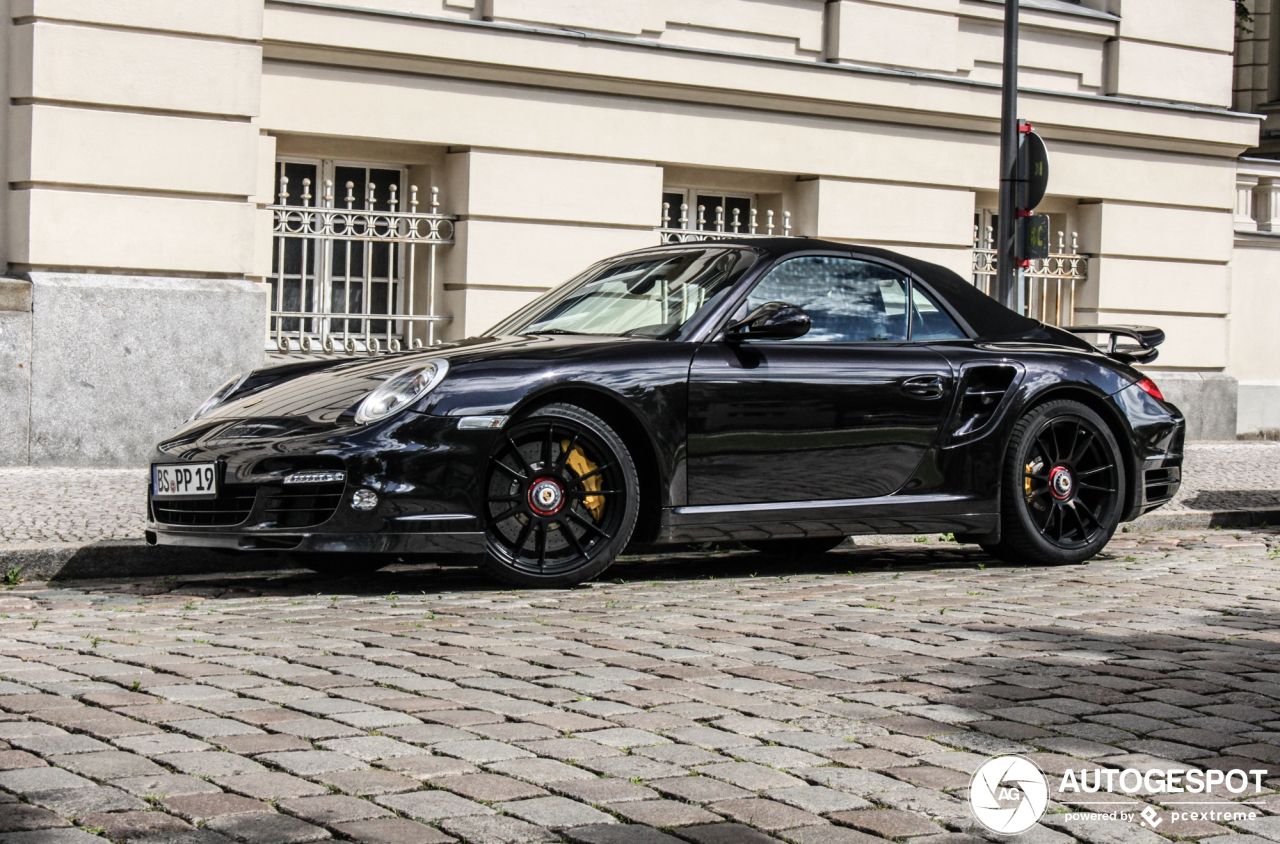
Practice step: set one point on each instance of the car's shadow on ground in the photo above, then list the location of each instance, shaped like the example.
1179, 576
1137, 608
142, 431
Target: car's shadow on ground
1233, 499
670, 568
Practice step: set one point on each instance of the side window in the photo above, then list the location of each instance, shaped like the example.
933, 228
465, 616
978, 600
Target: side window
928, 321
848, 300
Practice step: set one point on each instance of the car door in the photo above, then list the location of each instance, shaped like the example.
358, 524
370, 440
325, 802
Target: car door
847, 411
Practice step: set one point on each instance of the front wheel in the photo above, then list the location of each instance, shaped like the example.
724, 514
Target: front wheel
561, 501
1063, 488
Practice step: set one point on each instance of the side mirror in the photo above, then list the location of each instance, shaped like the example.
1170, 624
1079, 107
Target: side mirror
770, 321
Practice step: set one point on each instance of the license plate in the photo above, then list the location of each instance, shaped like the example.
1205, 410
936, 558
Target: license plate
186, 480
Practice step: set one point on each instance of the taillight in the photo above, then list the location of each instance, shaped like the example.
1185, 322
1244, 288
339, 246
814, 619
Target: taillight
1149, 387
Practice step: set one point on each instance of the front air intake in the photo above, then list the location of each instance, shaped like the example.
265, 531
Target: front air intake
231, 507
301, 504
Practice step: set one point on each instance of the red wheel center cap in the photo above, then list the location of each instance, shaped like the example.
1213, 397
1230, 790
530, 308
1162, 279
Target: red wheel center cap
546, 496
1061, 483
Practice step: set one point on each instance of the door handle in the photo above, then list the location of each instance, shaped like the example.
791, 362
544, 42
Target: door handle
924, 387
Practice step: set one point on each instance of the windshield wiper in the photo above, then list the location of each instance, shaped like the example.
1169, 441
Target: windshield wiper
556, 331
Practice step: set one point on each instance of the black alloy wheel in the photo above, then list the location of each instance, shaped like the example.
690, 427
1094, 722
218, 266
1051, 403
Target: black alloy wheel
810, 546
561, 498
1064, 487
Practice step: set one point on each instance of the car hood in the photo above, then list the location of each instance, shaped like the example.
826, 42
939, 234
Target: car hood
308, 398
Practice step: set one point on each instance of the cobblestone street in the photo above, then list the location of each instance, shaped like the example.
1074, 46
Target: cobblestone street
724, 698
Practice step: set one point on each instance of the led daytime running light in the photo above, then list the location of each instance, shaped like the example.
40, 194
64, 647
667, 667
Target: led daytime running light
315, 477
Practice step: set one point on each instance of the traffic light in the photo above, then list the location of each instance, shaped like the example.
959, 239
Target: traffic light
1032, 241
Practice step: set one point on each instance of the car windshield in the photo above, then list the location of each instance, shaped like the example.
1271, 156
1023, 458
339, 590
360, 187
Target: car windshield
654, 295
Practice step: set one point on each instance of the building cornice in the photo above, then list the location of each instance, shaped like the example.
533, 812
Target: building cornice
516, 54
1257, 240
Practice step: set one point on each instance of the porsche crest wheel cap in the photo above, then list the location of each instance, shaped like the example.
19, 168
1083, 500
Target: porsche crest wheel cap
546, 496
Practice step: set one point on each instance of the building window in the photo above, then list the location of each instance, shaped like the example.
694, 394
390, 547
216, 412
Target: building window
355, 276
706, 210
1049, 286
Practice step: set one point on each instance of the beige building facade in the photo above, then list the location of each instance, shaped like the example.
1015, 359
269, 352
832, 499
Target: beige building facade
195, 186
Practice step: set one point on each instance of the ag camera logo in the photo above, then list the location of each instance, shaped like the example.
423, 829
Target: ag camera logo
1008, 794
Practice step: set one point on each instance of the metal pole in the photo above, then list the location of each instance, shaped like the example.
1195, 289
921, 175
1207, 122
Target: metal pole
1006, 287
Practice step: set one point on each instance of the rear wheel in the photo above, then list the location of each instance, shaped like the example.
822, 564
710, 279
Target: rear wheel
561, 499
1063, 488
807, 547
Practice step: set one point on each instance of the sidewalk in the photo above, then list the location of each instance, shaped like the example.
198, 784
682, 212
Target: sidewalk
50, 506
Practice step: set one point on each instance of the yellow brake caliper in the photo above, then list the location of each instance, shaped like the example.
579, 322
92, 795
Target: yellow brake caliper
1032, 467
579, 463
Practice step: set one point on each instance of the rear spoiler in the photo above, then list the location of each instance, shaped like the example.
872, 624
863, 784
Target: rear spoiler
1147, 336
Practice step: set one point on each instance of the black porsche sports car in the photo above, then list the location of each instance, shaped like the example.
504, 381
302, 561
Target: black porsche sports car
784, 393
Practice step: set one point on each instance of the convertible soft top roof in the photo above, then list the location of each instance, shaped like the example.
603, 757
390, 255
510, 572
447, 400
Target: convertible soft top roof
989, 319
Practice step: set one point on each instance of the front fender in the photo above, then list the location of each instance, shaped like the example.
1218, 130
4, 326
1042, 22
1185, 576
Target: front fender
641, 389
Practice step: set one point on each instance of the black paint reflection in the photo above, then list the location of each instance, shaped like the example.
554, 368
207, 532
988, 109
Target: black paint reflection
801, 422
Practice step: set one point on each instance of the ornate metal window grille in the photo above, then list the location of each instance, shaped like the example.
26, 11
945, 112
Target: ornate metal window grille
1050, 285
716, 227
343, 271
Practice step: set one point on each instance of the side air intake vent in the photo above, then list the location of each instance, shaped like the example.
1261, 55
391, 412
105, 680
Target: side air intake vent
982, 389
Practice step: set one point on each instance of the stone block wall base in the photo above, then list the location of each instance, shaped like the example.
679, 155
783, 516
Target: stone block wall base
15, 386
1259, 408
117, 362
1207, 399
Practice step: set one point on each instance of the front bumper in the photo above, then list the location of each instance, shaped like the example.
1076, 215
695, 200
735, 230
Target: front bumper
460, 542
426, 473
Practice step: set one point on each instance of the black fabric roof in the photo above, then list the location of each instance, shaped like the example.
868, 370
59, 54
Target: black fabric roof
989, 319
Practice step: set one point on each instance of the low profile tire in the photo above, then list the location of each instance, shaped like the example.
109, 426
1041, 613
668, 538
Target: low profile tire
1063, 487
335, 565
810, 547
562, 498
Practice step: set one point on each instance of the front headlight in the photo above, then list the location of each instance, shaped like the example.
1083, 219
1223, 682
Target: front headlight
220, 395
401, 390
